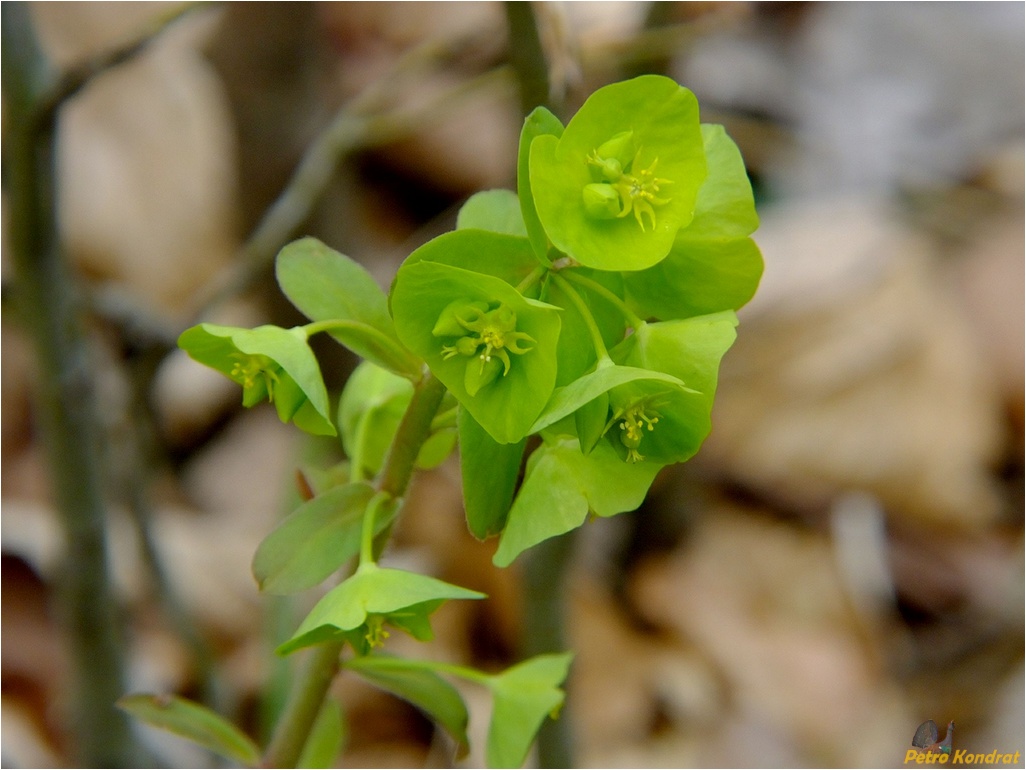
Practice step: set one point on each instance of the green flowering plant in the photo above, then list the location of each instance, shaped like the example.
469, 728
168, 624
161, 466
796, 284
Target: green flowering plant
583, 316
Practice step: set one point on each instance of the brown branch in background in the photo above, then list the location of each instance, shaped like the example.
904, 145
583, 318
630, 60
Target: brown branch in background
48, 306
353, 128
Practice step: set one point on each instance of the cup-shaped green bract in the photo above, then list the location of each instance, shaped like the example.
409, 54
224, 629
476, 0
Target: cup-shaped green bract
494, 349
269, 363
359, 607
650, 422
613, 190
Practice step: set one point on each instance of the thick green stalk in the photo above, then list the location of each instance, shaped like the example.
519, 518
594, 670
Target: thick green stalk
64, 398
545, 574
312, 686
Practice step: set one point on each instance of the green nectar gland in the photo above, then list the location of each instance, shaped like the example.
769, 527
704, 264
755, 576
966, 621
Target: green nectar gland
491, 337
619, 189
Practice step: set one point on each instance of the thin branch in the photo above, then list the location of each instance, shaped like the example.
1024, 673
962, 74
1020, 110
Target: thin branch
78, 77
351, 130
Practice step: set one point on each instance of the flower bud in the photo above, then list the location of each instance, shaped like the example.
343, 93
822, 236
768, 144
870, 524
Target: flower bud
620, 147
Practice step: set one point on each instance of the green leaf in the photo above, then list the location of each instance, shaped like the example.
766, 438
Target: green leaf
326, 285
697, 278
424, 689
562, 485
689, 349
507, 405
572, 397
372, 590
326, 737
713, 265
193, 722
267, 361
507, 257
524, 696
489, 471
540, 122
497, 211
665, 142
725, 208
315, 540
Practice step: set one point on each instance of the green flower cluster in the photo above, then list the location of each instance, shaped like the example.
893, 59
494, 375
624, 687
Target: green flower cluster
591, 309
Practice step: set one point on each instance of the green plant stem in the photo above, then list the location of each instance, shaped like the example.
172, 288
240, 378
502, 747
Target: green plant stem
367, 532
303, 706
312, 685
414, 430
589, 319
532, 278
64, 398
527, 56
633, 320
545, 572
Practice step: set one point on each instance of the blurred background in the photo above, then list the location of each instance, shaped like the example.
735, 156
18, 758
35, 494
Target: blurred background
843, 559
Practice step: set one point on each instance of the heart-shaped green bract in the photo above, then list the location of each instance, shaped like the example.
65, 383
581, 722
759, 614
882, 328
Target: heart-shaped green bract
689, 349
269, 362
562, 485
713, 264
649, 126
524, 695
506, 405
504, 256
372, 596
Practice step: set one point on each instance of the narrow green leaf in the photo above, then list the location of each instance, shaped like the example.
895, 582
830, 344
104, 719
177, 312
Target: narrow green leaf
572, 397
562, 485
489, 471
540, 122
497, 211
315, 540
424, 689
524, 696
326, 285
326, 738
194, 723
